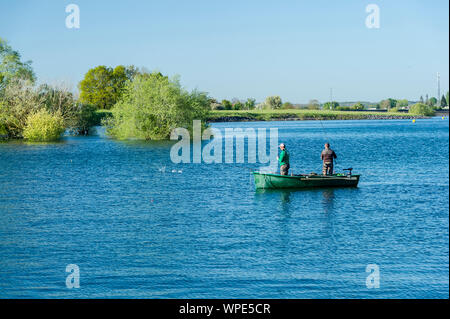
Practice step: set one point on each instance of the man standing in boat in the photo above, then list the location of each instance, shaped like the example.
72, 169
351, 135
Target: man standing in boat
283, 159
327, 156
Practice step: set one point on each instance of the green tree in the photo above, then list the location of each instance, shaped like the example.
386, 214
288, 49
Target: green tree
238, 106
152, 106
250, 104
287, 106
313, 105
388, 104
103, 86
358, 106
58, 99
18, 102
401, 103
227, 105
421, 99
12, 68
85, 119
443, 101
421, 109
273, 102
432, 101
330, 105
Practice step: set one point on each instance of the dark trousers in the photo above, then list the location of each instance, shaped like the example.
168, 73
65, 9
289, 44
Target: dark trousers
284, 169
327, 168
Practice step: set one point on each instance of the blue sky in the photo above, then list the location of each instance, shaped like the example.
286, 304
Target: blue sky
295, 49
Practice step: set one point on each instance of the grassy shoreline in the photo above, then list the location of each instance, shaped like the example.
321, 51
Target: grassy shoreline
304, 115
291, 115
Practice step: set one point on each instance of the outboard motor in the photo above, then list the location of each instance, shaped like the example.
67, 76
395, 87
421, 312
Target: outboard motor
349, 174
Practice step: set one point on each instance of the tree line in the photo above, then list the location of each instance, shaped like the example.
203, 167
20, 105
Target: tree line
143, 104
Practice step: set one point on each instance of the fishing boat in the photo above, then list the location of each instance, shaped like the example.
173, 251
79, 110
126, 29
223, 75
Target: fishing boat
263, 180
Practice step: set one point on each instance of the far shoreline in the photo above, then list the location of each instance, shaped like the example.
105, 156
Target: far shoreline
225, 116
281, 119
306, 115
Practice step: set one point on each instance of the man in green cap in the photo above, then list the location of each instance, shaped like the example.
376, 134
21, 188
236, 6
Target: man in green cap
283, 159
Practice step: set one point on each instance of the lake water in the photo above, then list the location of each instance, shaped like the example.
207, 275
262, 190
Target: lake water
138, 230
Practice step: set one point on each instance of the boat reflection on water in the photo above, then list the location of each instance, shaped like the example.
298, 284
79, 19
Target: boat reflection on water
328, 200
286, 195
283, 194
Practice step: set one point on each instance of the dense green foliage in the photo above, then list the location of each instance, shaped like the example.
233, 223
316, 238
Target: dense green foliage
43, 126
421, 109
287, 106
103, 86
313, 105
394, 110
443, 101
152, 106
86, 117
19, 100
250, 104
26, 111
238, 105
330, 105
227, 105
273, 102
401, 103
58, 100
358, 106
12, 68
388, 103
355, 107
432, 101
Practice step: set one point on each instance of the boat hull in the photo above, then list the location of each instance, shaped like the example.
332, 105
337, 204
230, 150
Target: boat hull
274, 181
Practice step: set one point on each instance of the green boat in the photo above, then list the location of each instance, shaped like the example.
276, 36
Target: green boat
263, 180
